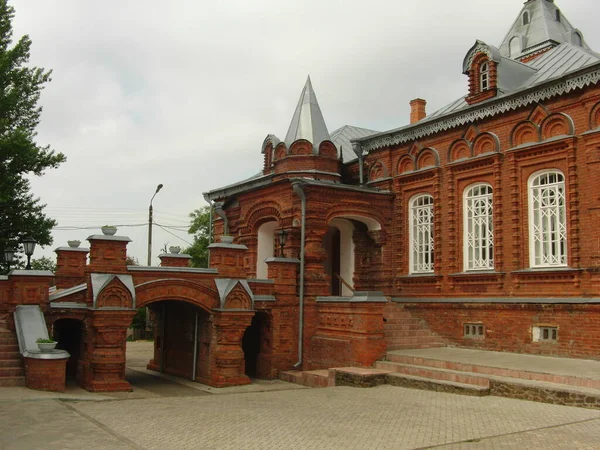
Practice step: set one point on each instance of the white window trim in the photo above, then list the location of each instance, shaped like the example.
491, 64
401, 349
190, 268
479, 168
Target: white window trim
466, 254
484, 73
411, 246
532, 254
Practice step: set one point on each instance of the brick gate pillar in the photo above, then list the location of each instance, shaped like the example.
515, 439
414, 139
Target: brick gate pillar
228, 258
111, 297
282, 352
70, 266
227, 365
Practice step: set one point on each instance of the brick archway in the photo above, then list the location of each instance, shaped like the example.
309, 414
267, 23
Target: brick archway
176, 289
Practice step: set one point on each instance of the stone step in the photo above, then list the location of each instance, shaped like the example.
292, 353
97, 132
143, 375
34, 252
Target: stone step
291, 376
310, 378
8, 340
14, 347
17, 362
414, 342
11, 372
407, 333
415, 346
568, 380
12, 355
416, 382
12, 381
433, 373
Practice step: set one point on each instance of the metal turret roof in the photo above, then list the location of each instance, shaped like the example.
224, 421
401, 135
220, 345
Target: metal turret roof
540, 24
308, 122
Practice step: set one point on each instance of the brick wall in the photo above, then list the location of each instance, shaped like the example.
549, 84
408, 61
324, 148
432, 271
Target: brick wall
508, 327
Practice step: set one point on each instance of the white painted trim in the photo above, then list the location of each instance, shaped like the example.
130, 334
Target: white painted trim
531, 224
466, 263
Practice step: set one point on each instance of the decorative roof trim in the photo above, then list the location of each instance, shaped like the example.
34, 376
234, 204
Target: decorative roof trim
500, 106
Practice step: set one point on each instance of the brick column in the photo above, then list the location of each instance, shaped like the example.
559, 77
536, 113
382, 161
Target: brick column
283, 351
70, 266
108, 253
227, 358
30, 287
174, 260
228, 258
102, 369
349, 332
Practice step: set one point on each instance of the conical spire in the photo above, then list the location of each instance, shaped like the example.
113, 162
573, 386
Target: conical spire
540, 25
307, 122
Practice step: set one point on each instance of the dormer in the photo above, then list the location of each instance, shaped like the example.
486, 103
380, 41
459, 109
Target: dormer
480, 65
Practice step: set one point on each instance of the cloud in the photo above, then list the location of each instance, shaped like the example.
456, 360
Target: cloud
183, 93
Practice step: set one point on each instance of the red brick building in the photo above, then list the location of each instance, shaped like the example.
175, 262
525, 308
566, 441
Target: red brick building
475, 226
480, 219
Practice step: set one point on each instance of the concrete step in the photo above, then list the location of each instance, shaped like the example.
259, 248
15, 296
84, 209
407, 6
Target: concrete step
416, 382
436, 374
12, 381
568, 380
291, 376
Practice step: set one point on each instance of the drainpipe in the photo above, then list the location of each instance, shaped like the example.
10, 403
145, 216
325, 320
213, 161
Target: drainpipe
297, 187
356, 148
195, 349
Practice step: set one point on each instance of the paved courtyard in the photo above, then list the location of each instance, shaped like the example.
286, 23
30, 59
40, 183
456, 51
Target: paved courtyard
170, 415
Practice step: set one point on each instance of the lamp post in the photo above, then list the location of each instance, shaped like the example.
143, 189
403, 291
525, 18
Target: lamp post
29, 246
9, 256
282, 236
158, 188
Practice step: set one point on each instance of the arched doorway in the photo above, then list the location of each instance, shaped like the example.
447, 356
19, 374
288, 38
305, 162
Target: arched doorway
69, 335
339, 265
265, 247
182, 339
253, 343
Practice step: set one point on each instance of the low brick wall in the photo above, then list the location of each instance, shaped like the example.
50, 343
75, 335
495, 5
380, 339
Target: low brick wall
508, 327
46, 374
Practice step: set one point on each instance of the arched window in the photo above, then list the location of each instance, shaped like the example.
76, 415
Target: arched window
478, 228
547, 220
265, 247
421, 234
558, 15
526, 18
515, 47
577, 39
484, 76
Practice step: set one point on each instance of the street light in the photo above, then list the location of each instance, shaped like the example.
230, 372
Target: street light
158, 188
282, 235
29, 246
9, 256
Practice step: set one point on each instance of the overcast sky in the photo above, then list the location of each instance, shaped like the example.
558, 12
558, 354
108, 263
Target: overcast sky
183, 92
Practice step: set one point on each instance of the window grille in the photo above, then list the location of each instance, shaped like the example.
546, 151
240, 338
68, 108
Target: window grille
479, 228
473, 331
547, 220
421, 234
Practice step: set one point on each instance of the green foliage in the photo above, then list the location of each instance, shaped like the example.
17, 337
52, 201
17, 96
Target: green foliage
200, 228
139, 320
45, 341
21, 214
43, 263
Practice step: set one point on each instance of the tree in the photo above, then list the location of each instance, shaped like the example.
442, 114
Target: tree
200, 228
43, 263
21, 214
